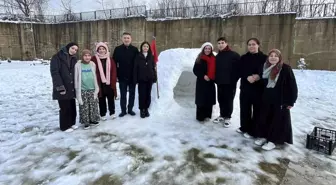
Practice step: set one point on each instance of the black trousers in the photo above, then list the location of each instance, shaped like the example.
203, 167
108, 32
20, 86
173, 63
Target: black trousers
144, 90
204, 111
226, 94
250, 104
123, 93
107, 93
67, 113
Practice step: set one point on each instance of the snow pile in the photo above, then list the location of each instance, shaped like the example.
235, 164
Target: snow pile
170, 147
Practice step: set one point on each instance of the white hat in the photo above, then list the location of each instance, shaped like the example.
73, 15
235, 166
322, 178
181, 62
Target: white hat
206, 44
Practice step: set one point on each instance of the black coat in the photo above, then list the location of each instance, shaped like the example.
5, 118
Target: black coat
250, 64
226, 68
205, 90
144, 69
62, 67
275, 120
124, 57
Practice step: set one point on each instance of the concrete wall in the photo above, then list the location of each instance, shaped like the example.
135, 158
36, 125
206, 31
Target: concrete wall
315, 40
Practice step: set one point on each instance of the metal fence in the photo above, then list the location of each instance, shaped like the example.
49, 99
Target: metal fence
219, 10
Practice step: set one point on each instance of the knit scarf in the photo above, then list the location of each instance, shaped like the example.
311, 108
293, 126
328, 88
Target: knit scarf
104, 79
267, 75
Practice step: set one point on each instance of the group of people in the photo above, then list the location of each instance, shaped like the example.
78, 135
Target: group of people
92, 81
268, 91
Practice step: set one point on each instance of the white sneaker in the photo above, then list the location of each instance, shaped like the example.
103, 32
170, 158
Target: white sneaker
239, 131
260, 141
248, 136
218, 120
113, 116
74, 127
268, 146
69, 130
227, 122
103, 118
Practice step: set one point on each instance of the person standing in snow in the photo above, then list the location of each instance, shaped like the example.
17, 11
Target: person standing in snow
226, 80
62, 67
124, 56
87, 90
204, 69
251, 87
107, 78
144, 75
280, 94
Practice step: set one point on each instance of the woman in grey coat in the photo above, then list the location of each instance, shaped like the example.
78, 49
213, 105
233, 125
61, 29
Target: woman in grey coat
62, 67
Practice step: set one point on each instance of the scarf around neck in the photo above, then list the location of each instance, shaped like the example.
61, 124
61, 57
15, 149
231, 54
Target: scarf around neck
104, 79
267, 75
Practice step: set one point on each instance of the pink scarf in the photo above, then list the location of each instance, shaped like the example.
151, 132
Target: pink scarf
108, 63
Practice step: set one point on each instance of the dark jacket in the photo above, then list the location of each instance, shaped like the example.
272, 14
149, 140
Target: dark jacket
226, 67
113, 75
144, 69
286, 88
124, 57
205, 90
250, 64
275, 123
62, 69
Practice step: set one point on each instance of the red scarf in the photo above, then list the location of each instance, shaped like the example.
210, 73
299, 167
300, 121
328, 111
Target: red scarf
211, 64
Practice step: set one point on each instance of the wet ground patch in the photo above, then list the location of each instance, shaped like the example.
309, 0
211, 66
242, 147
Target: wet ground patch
108, 179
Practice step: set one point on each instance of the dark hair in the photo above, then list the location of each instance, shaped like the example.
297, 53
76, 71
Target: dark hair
198, 59
126, 33
149, 49
255, 40
221, 39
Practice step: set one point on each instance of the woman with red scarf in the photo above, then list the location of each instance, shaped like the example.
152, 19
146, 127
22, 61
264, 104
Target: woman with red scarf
279, 96
204, 69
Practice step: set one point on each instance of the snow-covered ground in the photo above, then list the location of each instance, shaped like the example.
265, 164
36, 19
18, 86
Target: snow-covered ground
169, 148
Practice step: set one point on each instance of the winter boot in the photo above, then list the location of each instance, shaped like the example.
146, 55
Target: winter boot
142, 113
147, 113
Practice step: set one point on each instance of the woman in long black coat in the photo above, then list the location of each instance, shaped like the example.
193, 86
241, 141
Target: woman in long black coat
251, 87
62, 73
280, 94
204, 69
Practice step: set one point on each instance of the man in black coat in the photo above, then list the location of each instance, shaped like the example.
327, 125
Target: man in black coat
226, 80
124, 56
62, 73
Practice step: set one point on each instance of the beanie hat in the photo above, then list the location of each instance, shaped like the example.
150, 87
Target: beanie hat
206, 44
277, 52
86, 51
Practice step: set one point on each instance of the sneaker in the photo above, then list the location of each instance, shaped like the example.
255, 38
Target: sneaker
239, 131
122, 114
96, 123
69, 130
74, 127
227, 122
260, 141
219, 119
132, 113
86, 126
103, 118
268, 146
113, 116
248, 136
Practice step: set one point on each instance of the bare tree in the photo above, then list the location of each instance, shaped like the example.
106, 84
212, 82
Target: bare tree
25, 7
67, 6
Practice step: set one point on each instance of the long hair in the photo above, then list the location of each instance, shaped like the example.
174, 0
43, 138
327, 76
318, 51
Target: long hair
278, 67
149, 49
198, 59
